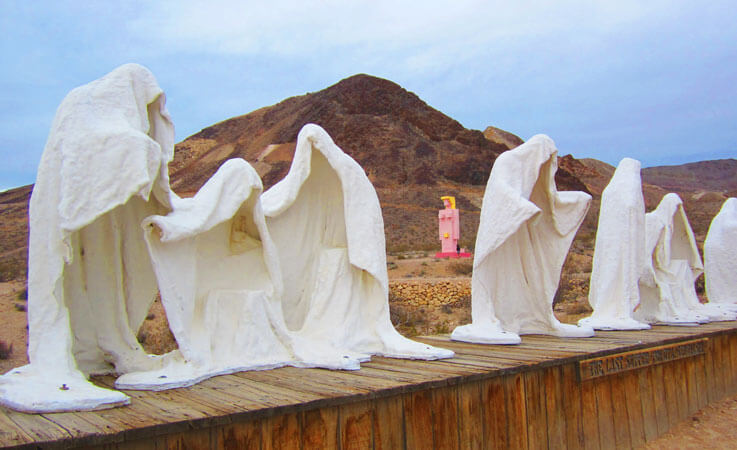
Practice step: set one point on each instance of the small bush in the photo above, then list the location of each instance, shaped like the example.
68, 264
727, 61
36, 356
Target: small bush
5, 350
461, 267
20, 307
23, 295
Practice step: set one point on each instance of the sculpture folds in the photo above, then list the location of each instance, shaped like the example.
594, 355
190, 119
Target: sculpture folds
525, 231
90, 283
668, 294
107, 232
619, 252
325, 219
720, 256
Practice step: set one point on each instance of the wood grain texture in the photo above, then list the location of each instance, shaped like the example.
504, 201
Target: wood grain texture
488, 396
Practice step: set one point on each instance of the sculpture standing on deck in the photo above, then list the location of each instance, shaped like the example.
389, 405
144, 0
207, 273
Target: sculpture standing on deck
720, 256
90, 280
326, 222
619, 253
667, 292
525, 231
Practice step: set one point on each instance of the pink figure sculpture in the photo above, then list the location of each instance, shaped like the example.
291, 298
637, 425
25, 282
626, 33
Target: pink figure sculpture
449, 230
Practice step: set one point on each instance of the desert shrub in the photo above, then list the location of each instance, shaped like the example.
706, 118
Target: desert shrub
11, 270
22, 295
391, 265
20, 307
5, 350
442, 328
461, 267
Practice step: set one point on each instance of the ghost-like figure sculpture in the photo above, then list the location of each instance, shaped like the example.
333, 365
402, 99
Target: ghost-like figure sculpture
220, 282
619, 252
325, 219
90, 280
667, 290
720, 256
525, 231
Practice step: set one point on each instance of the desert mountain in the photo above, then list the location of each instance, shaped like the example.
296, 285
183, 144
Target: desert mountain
411, 152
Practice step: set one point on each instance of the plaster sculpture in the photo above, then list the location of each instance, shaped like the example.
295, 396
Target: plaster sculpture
619, 252
90, 281
720, 256
525, 231
221, 285
667, 292
325, 219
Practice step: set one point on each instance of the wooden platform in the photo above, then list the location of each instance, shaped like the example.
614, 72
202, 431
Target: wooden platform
535, 395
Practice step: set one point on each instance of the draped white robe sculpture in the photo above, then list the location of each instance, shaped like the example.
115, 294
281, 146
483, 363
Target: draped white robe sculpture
90, 281
525, 231
720, 256
619, 252
667, 293
325, 219
221, 286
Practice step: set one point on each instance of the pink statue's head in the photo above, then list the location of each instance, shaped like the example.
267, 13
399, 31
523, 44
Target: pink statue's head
447, 204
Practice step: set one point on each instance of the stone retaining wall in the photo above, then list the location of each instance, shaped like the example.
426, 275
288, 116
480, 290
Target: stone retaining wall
430, 293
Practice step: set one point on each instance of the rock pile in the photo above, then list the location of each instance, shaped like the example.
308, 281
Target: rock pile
430, 293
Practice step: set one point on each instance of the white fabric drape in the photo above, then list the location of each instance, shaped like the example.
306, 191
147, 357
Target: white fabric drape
720, 256
525, 231
619, 252
90, 281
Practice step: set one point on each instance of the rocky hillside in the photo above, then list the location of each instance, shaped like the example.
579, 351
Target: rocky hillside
412, 153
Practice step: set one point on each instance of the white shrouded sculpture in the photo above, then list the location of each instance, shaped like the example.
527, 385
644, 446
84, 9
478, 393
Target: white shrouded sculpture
90, 280
325, 219
667, 292
220, 282
525, 231
619, 252
720, 256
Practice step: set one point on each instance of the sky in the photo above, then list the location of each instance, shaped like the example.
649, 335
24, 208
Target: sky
655, 80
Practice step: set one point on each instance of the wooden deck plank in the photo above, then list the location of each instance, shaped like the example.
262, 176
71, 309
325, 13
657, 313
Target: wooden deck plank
445, 417
619, 411
471, 427
494, 413
356, 423
418, 419
572, 412
604, 413
590, 420
514, 395
633, 404
388, 426
319, 428
648, 403
553, 385
537, 435
518, 388
671, 394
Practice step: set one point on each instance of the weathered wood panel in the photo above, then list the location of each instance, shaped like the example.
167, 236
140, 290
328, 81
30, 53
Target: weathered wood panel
526, 396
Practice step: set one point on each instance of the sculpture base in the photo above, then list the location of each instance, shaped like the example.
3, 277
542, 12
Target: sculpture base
453, 255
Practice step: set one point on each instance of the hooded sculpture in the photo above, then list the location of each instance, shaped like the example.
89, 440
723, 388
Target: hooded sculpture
525, 231
221, 286
667, 292
90, 283
619, 254
325, 219
720, 256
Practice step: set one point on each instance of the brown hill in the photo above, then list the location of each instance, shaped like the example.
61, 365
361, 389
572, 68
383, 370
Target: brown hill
411, 152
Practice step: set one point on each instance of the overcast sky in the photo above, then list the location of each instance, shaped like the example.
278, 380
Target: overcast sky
653, 80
